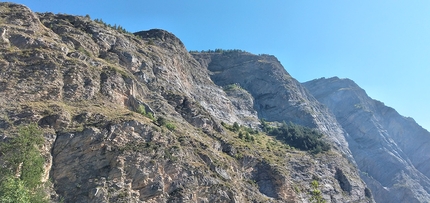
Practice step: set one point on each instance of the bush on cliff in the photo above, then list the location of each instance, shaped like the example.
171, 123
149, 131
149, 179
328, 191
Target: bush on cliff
298, 136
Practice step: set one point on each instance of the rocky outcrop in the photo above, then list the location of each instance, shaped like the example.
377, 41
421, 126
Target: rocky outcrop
391, 151
276, 95
136, 118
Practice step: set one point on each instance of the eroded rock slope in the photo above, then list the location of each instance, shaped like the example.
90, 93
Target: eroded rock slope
276, 95
392, 151
135, 118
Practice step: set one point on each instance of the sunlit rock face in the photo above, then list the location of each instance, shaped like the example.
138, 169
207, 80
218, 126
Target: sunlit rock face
134, 117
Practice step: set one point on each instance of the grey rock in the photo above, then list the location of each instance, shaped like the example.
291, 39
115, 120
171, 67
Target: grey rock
82, 80
391, 151
276, 96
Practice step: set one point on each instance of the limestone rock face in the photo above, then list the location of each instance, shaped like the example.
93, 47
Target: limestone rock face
276, 95
136, 118
391, 151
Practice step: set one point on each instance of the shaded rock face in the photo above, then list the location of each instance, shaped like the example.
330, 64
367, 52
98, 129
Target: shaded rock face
344, 183
82, 82
276, 95
265, 79
391, 151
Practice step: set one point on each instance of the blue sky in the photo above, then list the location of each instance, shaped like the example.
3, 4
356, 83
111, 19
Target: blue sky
384, 46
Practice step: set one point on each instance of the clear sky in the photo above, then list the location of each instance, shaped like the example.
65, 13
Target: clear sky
384, 46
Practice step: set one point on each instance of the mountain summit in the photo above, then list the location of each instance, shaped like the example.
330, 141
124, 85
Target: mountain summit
93, 113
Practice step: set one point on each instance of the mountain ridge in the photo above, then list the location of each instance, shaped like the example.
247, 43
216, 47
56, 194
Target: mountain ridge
398, 143
137, 118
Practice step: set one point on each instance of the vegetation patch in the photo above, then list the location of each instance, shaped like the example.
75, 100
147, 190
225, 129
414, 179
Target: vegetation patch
272, 150
220, 51
316, 195
161, 121
231, 87
170, 126
244, 133
142, 110
115, 27
298, 136
22, 170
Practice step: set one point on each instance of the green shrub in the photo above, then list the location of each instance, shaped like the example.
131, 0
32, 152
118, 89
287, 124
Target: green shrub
315, 184
220, 51
170, 126
240, 135
150, 116
231, 87
236, 127
246, 136
142, 110
22, 155
13, 190
249, 138
316, 195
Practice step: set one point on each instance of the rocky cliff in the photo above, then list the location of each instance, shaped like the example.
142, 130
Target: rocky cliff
276, 95
391, 151
134, 117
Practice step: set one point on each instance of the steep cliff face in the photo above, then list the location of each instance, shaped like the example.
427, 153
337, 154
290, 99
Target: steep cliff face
276, 95
392, 151
135, 118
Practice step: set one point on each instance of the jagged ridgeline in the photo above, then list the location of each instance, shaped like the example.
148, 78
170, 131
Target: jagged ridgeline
114, 116
225, 51
134, 117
